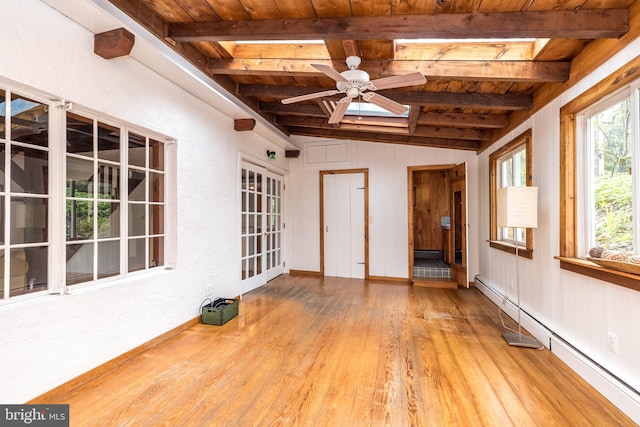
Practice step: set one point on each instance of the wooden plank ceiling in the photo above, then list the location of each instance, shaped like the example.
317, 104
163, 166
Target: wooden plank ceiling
482, 59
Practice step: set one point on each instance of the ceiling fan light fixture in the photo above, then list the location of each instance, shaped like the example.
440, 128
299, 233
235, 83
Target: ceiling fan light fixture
353, 92
356, 75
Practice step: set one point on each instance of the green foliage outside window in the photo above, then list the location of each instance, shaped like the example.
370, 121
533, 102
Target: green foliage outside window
83, 217
614, 229
613, 194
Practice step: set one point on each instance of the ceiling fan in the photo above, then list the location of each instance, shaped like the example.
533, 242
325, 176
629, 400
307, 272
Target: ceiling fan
355, 83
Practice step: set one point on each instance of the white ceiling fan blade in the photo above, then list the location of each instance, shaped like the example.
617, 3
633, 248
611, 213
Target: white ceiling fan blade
309, 96
341, 108
397, 81
329, 72
384, 102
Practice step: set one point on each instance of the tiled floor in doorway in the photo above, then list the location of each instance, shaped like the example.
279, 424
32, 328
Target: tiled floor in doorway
431, 269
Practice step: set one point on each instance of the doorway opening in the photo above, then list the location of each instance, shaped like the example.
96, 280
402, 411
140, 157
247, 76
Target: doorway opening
435, 226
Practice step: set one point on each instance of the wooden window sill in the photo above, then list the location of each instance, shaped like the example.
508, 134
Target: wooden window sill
582, 266
506, 247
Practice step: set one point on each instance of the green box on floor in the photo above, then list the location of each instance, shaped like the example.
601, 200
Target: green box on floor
219, 311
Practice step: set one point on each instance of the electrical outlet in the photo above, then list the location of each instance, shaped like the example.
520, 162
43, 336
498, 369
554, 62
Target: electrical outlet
208, 290
612, 340
511, 283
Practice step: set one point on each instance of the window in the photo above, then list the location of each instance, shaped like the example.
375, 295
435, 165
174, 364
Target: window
24, 194
81, 198
606, 184
598, 189
511, 165
99, 157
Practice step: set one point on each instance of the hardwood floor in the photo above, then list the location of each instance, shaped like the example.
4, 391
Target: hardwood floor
315, 351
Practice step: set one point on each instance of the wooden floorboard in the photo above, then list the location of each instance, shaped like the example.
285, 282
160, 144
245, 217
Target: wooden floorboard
313, 351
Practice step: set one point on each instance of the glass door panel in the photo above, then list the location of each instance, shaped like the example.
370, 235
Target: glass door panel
261, 225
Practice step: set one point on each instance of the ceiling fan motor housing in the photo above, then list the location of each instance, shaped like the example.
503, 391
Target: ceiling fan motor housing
357, 82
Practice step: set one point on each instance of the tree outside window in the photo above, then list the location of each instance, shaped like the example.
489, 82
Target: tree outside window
610, 192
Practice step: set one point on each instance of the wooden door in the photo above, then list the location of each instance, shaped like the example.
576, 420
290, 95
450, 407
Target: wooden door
430, 204
458, 247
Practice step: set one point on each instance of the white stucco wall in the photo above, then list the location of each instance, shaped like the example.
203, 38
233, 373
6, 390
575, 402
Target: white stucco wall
47, 340
579, 309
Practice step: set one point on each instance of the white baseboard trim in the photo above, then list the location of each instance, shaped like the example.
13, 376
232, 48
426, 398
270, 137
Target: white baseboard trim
535, 328
616, 391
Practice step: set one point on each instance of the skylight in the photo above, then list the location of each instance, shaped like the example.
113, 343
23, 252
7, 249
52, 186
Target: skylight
496, 40
280, 42
367, 109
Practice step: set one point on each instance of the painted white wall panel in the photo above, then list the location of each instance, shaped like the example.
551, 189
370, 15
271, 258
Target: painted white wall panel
316, 155
337, 153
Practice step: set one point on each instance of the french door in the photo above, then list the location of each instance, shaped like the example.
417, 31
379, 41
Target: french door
261, 193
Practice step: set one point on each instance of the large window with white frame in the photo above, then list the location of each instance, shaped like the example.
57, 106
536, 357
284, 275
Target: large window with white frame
608, 155
114, 176
106, 179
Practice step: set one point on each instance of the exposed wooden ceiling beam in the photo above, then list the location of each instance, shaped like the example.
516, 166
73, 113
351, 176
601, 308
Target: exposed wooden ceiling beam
457, 144
300, 109
583, 24
351, 48
528, 71
114, 43
241, 125
423, 131
437, 99
489, 121
414, 115
462, 120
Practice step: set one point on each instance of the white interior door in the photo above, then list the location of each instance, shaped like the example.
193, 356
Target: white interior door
344, 207
261, 194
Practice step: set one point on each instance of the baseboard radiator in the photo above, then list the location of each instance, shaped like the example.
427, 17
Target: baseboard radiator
625, 397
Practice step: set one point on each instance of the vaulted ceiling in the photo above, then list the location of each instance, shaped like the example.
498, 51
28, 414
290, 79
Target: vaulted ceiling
484, 60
